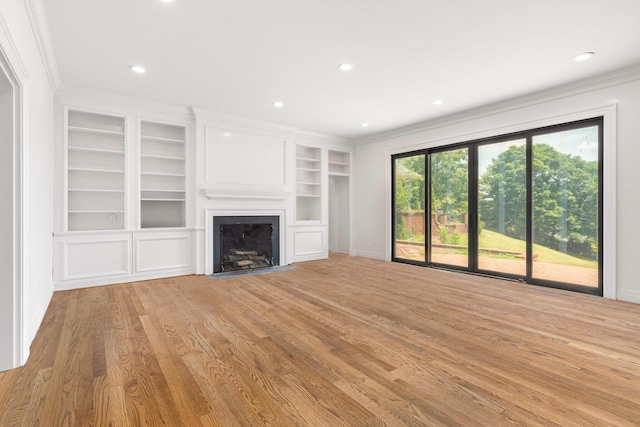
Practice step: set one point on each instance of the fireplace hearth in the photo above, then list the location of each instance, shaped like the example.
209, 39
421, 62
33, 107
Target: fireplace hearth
245, 243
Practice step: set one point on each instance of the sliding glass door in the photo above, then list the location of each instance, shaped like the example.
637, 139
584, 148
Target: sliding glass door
449, 203
502, 207
525, 206
409, 208
566, 193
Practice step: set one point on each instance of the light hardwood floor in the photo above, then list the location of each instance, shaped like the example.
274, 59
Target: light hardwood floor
343, 342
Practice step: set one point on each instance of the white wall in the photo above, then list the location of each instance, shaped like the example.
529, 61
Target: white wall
618, 94
21, 43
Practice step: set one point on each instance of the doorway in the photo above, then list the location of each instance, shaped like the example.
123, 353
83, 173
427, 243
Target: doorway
339, 214
10, 220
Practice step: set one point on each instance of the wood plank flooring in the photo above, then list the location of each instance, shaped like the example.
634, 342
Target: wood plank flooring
341, 342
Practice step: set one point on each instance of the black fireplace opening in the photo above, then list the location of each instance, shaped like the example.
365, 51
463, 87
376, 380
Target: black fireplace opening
245, 243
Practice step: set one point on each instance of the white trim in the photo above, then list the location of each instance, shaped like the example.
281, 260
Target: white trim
117, 239
15, 70
259, 193
218, 119
629, 296
40, 27
84, 99
609, 114
373, 255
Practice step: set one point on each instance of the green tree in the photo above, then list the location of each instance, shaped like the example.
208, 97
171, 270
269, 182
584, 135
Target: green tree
502, 193
565, 198
449, 182
410, 183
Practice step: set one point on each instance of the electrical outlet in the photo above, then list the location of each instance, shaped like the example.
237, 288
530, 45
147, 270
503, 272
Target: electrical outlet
113, 218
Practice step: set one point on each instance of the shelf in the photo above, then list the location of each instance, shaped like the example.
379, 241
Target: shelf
96, 146
95, 131
308, 183
339, 163
71, 169
97, 211
95, 190
155, 156
177, 175
160, 139
96, 150
162, 175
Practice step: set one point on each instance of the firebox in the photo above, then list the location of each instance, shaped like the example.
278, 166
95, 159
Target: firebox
245, 242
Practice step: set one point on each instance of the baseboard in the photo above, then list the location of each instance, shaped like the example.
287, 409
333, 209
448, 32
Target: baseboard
367, 254
115, 280
629, 296
34, 324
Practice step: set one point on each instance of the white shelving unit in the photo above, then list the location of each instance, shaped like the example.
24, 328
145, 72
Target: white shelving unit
95, 172
162, 175
339, 201
339, 163
308, 183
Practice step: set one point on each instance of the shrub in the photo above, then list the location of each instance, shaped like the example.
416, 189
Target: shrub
454, 237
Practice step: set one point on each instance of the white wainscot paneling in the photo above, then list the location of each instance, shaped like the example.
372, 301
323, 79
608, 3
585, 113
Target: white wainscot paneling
162, 252
235, 158
309, 243
98, 257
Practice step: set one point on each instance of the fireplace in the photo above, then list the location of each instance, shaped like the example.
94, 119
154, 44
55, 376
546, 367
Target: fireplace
245, 242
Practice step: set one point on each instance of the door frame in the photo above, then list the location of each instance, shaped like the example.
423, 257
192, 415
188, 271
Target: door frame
11, 66
608, 112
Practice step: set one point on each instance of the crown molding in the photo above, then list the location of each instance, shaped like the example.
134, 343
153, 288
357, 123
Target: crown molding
40, 27
74, 94
602, 81
8, 48
224, 119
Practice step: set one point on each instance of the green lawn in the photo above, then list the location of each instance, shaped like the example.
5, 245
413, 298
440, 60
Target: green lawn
492, 240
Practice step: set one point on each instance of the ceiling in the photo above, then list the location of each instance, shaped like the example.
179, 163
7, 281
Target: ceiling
238, 57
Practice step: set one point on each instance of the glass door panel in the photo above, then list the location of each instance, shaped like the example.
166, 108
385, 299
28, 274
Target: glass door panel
409, 201
502, 207
565, 176
449, 177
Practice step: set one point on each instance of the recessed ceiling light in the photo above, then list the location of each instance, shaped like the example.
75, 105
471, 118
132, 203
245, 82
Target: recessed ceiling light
225, 134
137, 69
345, 67
167, 1
364, 125
437, 102
584, 56
278, 104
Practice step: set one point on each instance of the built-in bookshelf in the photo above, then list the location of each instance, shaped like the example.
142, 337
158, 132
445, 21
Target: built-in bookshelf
308, 183
162, 175
339, 163
95, 171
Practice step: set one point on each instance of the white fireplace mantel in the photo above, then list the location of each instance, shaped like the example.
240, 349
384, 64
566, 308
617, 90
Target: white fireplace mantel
254, 193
